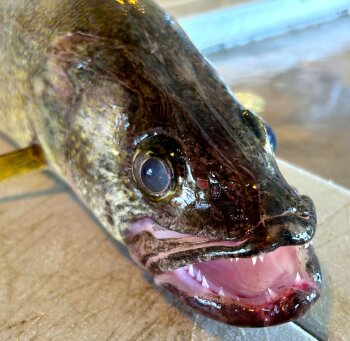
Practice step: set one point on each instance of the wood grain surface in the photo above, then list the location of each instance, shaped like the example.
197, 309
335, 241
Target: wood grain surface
63, 278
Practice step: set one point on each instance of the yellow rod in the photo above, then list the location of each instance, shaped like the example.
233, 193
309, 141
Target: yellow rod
21, 161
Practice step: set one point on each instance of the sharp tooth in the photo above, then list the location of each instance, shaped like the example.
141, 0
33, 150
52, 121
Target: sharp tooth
190, 270
307, 245
298, 277
221, 292
237, 259
231, 259
272, 293
199, 277
261, 257
254, 260
205, 283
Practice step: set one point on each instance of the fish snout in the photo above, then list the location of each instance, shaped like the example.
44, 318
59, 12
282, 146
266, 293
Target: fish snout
305, 221
290, 221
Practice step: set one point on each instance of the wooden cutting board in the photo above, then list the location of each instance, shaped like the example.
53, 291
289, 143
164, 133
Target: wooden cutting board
63, 278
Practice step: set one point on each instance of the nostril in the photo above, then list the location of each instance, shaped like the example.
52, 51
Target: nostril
305, 214
306, 211
300, 212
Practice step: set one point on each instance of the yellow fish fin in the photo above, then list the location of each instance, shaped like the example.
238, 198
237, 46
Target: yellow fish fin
251, 101
21, 161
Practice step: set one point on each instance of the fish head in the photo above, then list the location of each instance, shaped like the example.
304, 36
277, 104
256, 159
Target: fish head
172, 164
224, 231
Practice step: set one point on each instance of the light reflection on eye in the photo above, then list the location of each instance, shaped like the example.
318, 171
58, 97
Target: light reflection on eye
155, 175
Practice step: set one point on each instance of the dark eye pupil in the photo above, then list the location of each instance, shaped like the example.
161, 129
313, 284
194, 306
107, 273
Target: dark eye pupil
155, 175
253, 122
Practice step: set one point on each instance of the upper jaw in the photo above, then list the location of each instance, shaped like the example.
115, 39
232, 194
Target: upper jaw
160, 250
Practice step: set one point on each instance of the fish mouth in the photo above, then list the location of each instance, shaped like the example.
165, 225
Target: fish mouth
218, 279
257, 291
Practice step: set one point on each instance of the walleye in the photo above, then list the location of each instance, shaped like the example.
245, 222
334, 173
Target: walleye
128, 112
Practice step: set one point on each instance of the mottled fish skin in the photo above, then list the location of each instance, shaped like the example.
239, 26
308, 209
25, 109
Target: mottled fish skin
97, 83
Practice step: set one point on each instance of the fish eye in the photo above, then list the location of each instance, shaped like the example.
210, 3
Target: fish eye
153, 175
254, 123
261, 129
158, 167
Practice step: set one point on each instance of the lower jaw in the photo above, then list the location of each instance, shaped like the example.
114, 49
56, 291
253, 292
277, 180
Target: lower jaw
279, 303
287, 308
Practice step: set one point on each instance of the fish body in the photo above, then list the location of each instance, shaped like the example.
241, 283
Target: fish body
128, 112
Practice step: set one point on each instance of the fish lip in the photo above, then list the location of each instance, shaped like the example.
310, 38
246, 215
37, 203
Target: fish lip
287, 307
148, 251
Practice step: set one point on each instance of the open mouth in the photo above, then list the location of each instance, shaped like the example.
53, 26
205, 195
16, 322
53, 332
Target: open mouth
256, 291
263, 290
